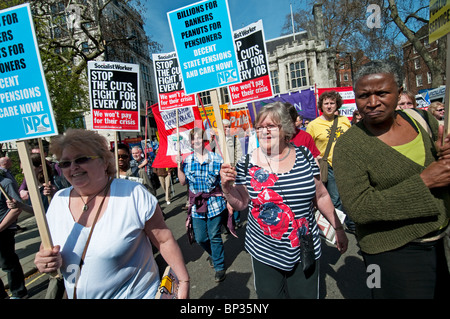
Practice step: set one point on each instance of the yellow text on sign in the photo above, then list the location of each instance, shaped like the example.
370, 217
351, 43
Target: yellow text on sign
439, 24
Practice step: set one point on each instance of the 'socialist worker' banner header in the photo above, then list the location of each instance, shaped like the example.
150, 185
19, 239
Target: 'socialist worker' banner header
254, 66
169, 82
203, 40
25, 108
114, 93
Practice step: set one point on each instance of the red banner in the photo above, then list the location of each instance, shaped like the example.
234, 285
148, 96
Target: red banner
166, 122
348, 99
111, 119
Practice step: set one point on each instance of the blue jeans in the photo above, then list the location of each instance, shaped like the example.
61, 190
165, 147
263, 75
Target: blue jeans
334, 194
208, 235
333, 190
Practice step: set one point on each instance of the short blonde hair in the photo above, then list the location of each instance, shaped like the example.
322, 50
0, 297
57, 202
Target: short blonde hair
87, 141
434, 106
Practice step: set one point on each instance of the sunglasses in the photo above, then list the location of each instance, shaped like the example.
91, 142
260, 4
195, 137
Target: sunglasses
440, 110
79, 161
122, 156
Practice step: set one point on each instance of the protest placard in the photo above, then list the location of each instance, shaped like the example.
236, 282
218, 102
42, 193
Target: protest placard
114, 95
203, 40
253, 65
169, 82
25, 107
439, 26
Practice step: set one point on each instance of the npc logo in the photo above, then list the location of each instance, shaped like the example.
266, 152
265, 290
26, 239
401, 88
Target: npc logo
36, 124
227, 76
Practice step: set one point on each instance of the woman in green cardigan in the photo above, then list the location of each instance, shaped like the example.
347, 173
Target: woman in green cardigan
394, 183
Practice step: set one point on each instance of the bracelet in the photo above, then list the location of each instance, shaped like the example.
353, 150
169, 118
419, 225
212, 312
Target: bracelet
226, 193
339, 228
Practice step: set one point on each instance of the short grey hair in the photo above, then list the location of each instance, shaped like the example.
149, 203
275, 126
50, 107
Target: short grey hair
280, 114
375, 67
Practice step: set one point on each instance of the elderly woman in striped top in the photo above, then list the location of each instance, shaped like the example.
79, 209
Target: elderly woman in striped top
280, 184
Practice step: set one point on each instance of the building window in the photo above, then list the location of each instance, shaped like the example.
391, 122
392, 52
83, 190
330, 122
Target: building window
416, 64
297, 72
345, 77
275, 84
429, 77
206, 98
85, 47
225, 98
419, 80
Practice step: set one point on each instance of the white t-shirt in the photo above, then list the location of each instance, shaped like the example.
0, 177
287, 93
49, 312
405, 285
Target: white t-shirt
119, 261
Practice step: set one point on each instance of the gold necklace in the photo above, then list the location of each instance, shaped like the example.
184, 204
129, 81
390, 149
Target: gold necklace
86, 207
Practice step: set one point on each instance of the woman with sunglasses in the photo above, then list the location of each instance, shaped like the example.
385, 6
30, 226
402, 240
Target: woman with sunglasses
101, 227
280, 185
437, 109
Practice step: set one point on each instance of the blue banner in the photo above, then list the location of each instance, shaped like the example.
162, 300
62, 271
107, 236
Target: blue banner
203, 39
304, 102
25, 108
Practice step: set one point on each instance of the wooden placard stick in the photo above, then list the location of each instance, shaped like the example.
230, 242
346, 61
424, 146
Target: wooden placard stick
35, 196
221, 131
447, 93
4, 193
116, 154
178, 138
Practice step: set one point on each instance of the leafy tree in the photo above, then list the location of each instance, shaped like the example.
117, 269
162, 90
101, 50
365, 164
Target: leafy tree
348, 28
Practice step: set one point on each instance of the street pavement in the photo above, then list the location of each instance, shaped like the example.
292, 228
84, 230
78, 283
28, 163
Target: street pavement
342, 276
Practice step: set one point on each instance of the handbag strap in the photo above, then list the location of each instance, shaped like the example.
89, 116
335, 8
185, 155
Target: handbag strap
83, 255
420, 119
331, 139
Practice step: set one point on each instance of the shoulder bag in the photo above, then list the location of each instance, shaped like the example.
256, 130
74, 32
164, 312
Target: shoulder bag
323, 162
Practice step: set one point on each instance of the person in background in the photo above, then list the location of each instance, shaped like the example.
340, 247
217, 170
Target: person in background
305, 123
301, 137
356, 117
103, 227
138, 161
437, 109
5, 165
394, 183
298, 121
406, 100
320, 129
9, 261
125, 171
207, 206
165, 176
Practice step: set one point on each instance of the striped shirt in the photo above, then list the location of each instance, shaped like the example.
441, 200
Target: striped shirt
204, 177
281, 208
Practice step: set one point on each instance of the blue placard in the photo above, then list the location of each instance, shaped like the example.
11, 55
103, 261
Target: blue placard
25, 108
203, 39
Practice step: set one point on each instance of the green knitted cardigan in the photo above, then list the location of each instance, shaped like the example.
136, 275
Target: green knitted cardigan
382, 192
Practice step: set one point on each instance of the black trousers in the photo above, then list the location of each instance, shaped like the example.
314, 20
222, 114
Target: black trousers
414, 271
10, 263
